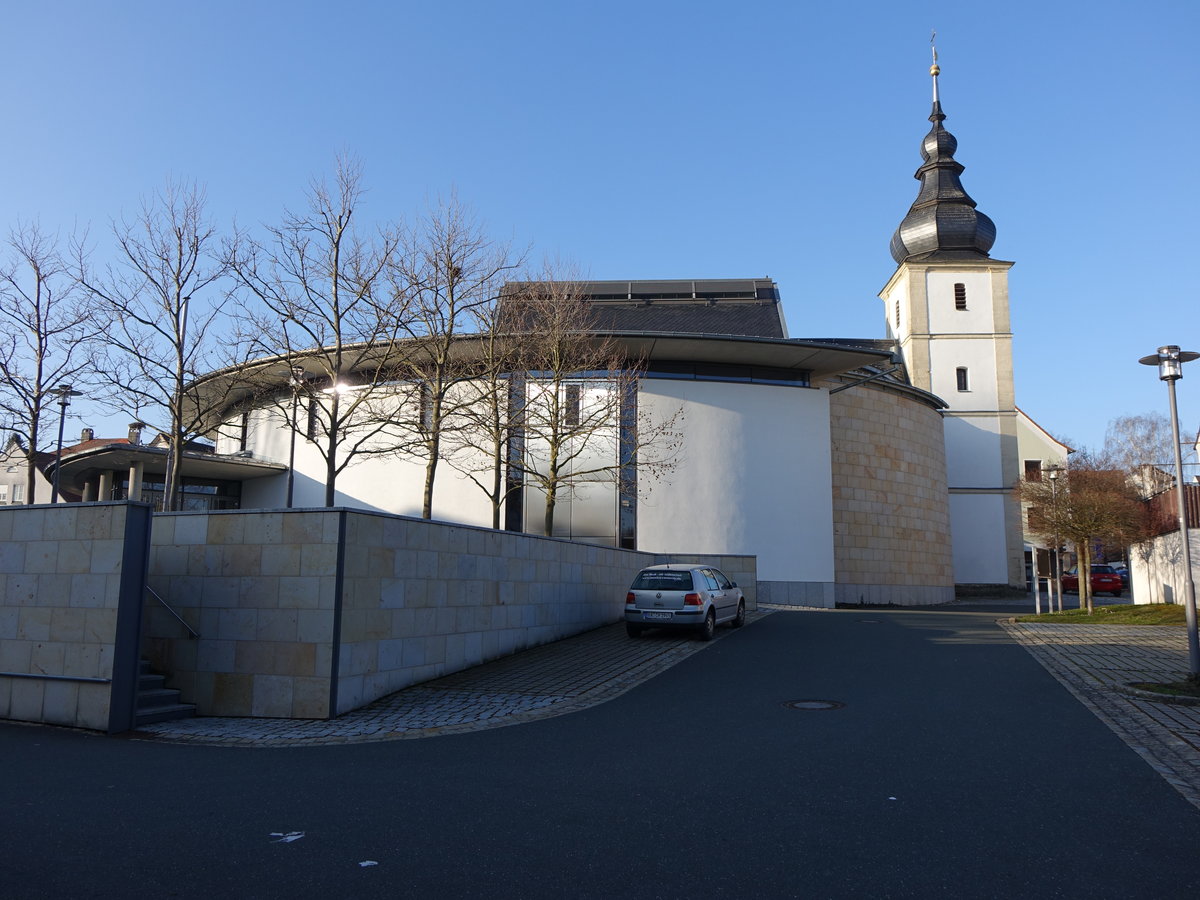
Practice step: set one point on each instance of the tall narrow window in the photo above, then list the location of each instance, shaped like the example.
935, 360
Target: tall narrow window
18, 492
960, 296
243, 439
426, 407
963, 383
314, 422
897, 313
571, 405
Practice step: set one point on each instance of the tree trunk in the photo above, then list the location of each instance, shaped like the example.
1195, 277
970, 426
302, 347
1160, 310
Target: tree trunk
551, 492
430, 470
1085, 577
31, 458
331, 450
497, 486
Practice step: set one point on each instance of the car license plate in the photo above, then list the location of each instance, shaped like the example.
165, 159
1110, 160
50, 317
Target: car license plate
657, 616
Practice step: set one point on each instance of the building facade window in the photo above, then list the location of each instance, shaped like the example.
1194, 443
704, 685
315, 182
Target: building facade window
3, 494
960, 296
18, 493
1033, 470
964, 383
571, 405
244, 437
897, 314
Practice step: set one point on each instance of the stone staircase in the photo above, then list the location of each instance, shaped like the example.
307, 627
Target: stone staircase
157, 703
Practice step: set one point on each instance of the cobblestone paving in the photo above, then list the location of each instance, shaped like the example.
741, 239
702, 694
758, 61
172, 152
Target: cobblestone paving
550, 680
1095, 662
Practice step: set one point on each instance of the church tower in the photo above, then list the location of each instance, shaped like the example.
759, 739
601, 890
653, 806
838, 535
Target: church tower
947, 310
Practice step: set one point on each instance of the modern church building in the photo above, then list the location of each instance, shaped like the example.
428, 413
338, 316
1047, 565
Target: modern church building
875, 470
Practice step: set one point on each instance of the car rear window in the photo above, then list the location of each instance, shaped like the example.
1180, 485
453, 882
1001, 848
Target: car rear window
663, 580
1103, 570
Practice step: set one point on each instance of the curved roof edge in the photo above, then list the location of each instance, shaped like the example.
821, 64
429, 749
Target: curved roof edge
819, 358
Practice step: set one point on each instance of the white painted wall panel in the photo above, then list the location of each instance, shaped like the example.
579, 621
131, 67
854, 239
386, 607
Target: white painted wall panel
979, 358
754, 477
973, 451
977, 526
944, 318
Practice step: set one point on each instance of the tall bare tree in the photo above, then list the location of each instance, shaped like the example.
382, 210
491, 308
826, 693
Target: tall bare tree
487, 432
451, 271
576, 417
316, 295
1093, 501
48, 328
1141, 446
165, 307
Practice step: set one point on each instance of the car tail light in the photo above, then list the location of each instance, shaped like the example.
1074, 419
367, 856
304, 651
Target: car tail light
693, 600
630, 599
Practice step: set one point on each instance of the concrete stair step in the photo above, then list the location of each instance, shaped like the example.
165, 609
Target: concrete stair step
157, 703
156, 697
165, 713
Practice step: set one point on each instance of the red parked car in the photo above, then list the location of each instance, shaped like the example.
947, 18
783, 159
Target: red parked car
1105, 580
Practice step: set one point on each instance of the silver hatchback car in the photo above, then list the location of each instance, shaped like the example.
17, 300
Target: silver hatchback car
683, 595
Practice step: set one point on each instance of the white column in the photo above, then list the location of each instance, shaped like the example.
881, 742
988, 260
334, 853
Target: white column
135, 480
106, 482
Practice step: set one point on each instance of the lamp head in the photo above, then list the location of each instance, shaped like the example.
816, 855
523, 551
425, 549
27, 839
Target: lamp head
1170, 360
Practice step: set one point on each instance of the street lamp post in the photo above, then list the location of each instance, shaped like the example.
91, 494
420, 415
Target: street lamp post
1170, 360
1055, 563
296, 381
64, 394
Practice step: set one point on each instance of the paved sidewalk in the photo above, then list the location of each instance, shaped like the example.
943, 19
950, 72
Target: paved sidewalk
1095, 662
550, 680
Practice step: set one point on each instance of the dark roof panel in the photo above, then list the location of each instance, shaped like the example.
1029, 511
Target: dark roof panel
752, 319
745, 307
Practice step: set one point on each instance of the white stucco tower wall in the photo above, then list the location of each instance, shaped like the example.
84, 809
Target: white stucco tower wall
950, 319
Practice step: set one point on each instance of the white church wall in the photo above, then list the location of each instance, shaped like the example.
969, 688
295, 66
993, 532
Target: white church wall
753, 477
978, 524
978, 357
945, 317
973, 451
897, 312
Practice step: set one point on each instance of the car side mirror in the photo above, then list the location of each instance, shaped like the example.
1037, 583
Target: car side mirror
733, 584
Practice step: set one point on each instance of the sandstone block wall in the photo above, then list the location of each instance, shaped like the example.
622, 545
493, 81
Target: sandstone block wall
890, 501
312, 613
71, 578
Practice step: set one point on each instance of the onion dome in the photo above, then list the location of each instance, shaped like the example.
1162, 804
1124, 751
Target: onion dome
942, 222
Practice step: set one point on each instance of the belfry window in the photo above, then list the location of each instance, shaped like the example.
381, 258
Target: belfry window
897, 313
963, 383
960, 296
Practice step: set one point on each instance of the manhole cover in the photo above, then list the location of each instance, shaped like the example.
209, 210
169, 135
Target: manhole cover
814, 704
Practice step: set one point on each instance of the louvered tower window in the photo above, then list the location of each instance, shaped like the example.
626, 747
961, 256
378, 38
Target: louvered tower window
960, 296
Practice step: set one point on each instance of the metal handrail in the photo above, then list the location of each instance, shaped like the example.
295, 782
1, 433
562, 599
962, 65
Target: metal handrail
191, 631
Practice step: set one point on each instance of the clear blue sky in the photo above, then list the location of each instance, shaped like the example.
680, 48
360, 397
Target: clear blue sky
668, 140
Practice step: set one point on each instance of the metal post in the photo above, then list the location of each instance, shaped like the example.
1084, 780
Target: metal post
65, 394
1170, 360
1189, 588
295, 381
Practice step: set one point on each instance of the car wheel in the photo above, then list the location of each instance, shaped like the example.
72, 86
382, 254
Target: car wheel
740, 619
633, 630
709, 628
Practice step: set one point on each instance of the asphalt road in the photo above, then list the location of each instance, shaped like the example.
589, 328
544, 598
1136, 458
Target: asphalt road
957, 767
